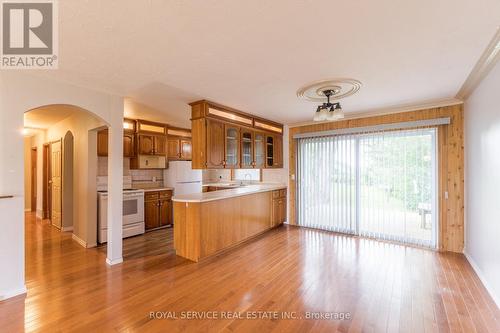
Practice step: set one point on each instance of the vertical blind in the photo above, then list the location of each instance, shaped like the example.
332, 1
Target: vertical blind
380, 184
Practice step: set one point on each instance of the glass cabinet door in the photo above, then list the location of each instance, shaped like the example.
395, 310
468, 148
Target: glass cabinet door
269, 151
247, 149
260, 153
232, 147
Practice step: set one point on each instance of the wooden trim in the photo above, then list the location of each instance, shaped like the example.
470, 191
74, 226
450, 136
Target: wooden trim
387, 111
46, 207
450, 165
203, 113
130, 121
33, 180
152, 123
187, 131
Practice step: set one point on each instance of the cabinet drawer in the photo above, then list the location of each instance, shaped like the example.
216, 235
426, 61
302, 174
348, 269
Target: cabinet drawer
165, 194
283, 193
148, 196
276, 194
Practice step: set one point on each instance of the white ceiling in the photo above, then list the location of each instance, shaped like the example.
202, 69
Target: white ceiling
254, 55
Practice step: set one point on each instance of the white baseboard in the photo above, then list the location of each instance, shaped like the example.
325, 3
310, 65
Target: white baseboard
39, 213
482, 278
114, 261
67, 229
79, 240
13, 293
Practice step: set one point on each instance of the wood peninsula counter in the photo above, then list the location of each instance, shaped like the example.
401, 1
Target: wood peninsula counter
211, 222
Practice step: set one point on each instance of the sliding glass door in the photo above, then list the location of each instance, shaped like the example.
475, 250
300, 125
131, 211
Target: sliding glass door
380, 185
327, 177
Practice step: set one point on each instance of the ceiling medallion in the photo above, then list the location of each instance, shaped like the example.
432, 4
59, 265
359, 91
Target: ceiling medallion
334, 89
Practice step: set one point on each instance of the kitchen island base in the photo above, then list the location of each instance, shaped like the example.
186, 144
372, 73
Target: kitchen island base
206, 228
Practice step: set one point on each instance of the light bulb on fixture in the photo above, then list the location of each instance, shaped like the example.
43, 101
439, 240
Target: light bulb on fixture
338, 113
328, 111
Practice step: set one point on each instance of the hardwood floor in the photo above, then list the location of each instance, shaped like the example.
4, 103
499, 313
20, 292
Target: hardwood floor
385, 287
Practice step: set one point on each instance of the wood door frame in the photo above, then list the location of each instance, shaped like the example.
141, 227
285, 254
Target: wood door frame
33, 170
61, 143
46, 209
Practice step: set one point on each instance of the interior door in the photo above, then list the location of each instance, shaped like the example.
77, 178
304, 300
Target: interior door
56, 183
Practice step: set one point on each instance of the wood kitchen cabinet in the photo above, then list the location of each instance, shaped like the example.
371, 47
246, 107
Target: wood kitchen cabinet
278, 151
259, 150
158, 209
186, 149
247, 148
128, 143
151, 215
274, 151
278, 207
226, 138
179, 145
215, 144
231, 147
173, 148
151, 138
151, 144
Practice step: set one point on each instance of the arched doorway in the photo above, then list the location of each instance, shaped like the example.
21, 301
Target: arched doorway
19, 93
71, 195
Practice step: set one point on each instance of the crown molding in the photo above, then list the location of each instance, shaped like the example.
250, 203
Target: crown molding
387, 111
485, 63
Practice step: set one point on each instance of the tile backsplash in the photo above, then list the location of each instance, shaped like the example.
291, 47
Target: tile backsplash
140, 178
213, 175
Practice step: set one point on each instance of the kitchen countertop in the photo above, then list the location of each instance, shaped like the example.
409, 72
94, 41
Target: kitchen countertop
156, 189
226, 194
223, 184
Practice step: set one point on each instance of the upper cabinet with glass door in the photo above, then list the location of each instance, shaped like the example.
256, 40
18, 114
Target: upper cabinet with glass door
244, 138
259, 150
232, 147
247, 147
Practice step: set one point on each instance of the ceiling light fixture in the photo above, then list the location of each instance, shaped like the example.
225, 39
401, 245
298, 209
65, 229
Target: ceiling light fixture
328, 111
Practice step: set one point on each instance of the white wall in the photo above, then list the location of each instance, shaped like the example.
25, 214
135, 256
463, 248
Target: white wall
27, 173
20, 92
482, 165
